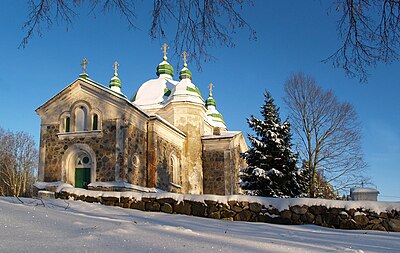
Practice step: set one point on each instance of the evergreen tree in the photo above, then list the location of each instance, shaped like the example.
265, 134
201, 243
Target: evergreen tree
272, 167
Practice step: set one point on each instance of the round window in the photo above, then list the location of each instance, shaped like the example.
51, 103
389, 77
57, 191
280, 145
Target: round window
85, 160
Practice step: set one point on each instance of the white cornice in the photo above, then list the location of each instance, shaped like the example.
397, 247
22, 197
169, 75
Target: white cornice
71, 135
166, 131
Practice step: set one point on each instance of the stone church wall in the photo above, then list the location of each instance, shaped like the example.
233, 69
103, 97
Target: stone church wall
221, 170
164, 170
237, 163
54, 152
103, 147
213, 173
105, 152
135, 154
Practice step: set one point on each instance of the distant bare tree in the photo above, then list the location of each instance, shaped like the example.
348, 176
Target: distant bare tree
329, 133
370, 33
198, 24
18, 161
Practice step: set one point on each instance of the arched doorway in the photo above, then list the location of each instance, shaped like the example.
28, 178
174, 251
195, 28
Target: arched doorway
82, 171
79, 166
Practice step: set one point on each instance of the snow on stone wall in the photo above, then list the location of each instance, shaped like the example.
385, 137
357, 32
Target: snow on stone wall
370, 215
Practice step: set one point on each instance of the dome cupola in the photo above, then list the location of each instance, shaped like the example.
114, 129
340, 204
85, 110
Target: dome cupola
164, 68
115, 82
154, 93
213, 116
185, 90
185, 72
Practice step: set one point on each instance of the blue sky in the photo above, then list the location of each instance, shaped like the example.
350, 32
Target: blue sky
292, 36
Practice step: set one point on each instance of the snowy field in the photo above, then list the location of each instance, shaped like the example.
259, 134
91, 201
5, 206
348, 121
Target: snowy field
75, 226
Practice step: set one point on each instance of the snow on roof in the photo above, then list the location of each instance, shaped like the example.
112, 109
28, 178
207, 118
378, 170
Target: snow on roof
186, 91
152, 93
214, 117
123, 185
164, 62
278, 203
223, 135
363, 190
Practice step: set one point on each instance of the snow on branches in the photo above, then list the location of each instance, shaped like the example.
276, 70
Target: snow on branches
272, 169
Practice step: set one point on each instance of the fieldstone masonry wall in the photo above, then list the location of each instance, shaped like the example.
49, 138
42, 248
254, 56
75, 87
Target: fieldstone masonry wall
104, 148
54, 153
221, 171
213, 162
105, 152
164, 170
135, 155
237, 162
353, 218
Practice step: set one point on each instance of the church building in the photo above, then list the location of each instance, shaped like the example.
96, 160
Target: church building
166, 136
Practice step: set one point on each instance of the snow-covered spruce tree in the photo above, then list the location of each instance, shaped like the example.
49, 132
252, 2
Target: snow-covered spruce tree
272, 167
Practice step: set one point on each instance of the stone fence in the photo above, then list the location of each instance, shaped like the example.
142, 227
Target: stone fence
327, 213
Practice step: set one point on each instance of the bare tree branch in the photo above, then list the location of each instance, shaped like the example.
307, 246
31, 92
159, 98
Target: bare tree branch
193, 25
370, 32
329, 133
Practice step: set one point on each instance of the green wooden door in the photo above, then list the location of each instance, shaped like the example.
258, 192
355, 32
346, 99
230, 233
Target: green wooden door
82, 177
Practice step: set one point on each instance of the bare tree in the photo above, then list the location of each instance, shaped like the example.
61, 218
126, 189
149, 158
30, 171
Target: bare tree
18, 160
370, 33
329, 133
199, 24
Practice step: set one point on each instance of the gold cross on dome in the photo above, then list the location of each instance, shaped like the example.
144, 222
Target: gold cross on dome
210, 86
116, 65
164, 48
84, 64
185, 54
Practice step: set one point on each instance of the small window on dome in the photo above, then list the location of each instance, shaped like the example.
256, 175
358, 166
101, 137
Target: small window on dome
95, 122
67, 124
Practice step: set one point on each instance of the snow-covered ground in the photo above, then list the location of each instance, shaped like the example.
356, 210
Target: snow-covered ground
76, 226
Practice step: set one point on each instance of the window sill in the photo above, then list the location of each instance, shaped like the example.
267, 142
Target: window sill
84, 134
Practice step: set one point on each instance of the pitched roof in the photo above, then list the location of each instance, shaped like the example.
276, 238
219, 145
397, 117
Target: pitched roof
97, 85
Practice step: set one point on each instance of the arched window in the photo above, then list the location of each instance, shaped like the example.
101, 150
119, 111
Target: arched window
81, 119
67, 124
176, 173
95, 122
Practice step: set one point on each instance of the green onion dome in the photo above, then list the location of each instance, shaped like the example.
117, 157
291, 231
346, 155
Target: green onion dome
154, 93
210, 102
115, 81
185, 74
115, 84
165, 68
213, 116
185, 90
